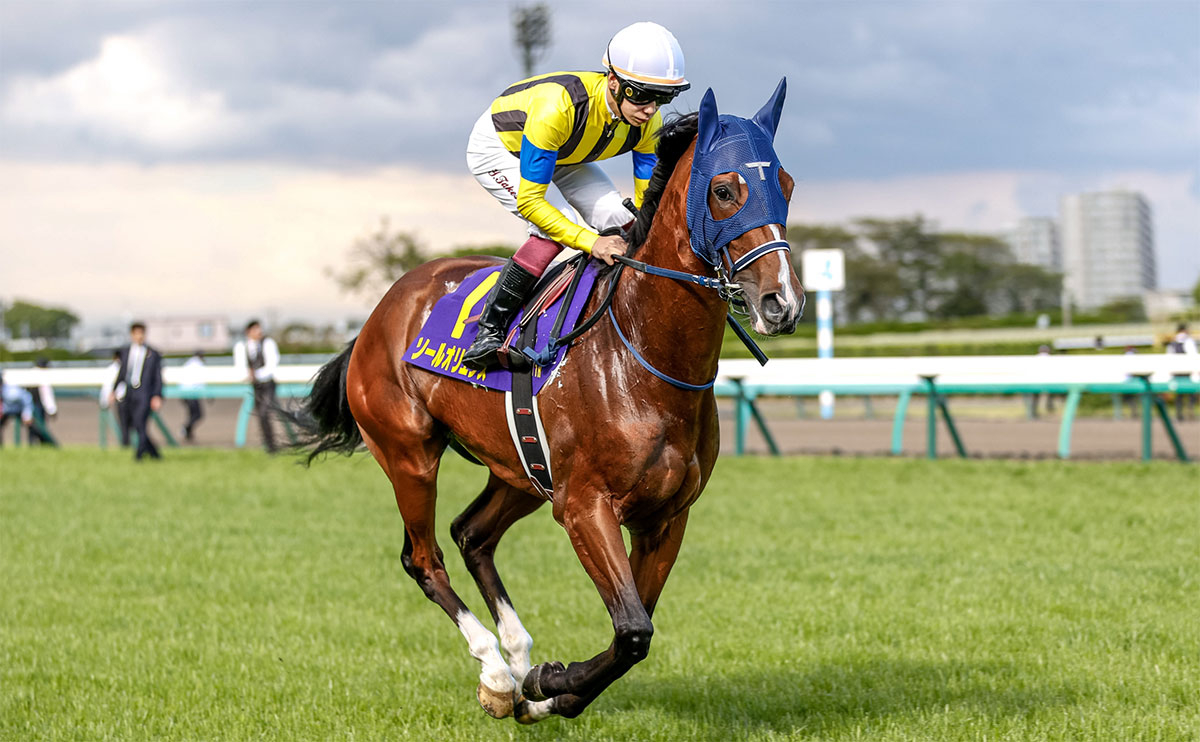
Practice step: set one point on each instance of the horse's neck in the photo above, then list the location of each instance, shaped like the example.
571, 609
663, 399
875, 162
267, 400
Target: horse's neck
676, 326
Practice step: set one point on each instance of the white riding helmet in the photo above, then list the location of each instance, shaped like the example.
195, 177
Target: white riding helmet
646, 57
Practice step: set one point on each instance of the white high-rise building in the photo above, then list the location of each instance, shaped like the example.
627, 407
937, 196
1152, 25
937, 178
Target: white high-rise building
1107, 247
1034, 241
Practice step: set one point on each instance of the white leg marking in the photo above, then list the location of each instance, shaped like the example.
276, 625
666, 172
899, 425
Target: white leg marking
515, 640
538, 710
486, 649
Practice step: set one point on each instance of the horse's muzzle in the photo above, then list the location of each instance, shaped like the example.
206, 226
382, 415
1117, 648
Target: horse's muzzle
780, 316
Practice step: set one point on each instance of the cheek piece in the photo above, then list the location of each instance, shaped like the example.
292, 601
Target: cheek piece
729, 144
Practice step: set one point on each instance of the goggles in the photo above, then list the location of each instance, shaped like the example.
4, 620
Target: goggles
640, 94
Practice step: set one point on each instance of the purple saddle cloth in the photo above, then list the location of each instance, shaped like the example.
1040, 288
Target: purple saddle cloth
443, 340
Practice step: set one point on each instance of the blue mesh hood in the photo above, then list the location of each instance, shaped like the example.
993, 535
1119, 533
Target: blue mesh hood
726, 144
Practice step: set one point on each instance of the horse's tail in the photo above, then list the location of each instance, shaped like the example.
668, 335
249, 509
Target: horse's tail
324, 418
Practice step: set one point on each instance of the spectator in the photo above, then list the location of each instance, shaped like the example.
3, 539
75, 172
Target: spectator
1183, 343
192, 383
1035, 397
139, 385
45, 406
256, 357
15, 402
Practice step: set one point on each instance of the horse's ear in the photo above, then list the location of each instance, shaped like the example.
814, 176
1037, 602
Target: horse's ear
768, 115
708, 122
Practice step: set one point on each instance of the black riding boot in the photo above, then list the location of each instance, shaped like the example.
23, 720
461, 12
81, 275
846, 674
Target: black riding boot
506, 298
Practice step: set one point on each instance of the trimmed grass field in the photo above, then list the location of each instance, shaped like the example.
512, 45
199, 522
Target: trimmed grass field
225, 595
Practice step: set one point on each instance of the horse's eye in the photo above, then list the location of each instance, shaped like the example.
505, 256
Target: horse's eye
723, 193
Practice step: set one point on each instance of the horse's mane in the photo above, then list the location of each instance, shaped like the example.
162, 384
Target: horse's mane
673, 140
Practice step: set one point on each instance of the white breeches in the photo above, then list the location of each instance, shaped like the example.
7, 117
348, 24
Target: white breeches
592, 196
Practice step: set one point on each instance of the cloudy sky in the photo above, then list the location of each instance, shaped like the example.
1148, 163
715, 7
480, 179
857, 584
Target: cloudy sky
218, 156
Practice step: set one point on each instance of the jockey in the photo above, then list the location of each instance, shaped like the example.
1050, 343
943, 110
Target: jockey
551, 129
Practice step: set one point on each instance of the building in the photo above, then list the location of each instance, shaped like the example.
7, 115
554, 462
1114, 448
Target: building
1107, 247
1034, 241
186, 334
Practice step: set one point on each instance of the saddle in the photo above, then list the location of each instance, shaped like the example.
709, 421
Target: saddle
559, 299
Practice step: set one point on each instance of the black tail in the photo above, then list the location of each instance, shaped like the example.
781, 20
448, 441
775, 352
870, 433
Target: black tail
324, 418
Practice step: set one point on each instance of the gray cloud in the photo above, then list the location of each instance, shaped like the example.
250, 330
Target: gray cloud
876, 89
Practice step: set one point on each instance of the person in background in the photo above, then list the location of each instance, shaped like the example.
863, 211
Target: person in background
1035, 397
192, 381
17, 403
1183, 343
256, 357
139, 385
45, 406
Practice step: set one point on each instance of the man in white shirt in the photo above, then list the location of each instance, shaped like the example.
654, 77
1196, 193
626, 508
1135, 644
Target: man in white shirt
257, 358
18, 403
1184, 343
191, 381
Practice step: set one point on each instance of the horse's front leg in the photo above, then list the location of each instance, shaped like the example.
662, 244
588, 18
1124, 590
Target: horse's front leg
596, 535
652, 554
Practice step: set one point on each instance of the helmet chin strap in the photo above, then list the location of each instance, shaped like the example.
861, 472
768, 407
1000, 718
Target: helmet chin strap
619, 97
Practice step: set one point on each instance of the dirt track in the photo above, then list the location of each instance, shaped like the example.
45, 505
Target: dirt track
989, 428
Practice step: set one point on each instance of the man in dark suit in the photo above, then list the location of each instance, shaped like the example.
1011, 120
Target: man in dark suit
139, 381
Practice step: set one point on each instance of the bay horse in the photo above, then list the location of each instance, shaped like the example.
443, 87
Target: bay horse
631, 417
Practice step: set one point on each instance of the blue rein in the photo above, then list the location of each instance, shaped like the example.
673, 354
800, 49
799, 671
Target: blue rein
646, 364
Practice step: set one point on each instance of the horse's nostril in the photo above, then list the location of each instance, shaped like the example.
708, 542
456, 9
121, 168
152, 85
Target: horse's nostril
772, 309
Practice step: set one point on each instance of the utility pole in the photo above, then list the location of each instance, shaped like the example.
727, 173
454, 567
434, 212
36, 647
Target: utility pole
531, 33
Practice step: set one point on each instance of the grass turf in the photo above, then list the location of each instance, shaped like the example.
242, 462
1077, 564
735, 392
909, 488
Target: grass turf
225, 596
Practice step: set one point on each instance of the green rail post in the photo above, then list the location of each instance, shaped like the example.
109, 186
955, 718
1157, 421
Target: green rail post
898, 422
762, 427
1068, 419
1147, 417
958, 444
243, 419
162, 426
930, 417
1165, 415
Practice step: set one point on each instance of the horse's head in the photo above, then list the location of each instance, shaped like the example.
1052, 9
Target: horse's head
737, 204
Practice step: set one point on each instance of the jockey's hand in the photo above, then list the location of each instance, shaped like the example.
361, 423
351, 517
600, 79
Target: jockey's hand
606, 247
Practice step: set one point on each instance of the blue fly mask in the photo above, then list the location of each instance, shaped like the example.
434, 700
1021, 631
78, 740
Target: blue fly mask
730, 144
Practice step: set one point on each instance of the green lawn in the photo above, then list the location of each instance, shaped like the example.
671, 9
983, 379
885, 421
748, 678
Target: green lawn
225, 596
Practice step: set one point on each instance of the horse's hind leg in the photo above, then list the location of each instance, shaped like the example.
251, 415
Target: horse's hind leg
412, 467
478, 531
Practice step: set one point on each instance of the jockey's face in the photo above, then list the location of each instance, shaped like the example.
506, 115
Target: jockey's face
635, 113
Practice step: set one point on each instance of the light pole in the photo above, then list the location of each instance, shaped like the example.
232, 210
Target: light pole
531, 33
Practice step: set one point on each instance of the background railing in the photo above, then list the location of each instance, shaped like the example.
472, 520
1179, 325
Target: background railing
938, 378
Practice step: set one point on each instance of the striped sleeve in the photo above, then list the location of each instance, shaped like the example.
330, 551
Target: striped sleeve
644, 158
537, 169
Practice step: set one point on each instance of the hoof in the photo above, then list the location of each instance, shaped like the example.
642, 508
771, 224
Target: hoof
497, 705
532, 687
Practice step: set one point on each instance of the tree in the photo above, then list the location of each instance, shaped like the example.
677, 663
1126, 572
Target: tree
378, 260
970, 274
1196, 293
873, 288
1029, 288
28, 320
913, 252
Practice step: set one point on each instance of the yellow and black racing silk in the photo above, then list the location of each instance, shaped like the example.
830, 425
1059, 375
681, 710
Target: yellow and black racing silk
563, 119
